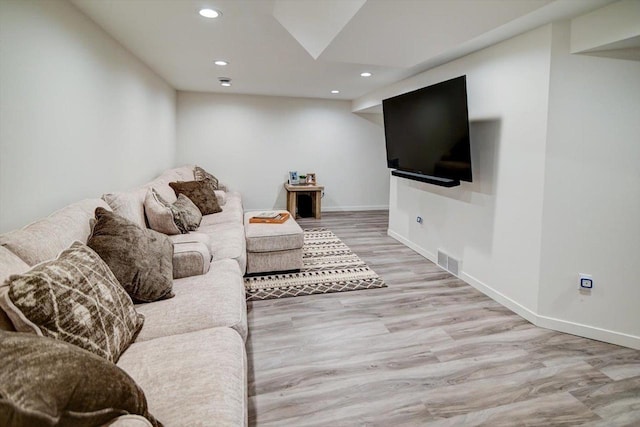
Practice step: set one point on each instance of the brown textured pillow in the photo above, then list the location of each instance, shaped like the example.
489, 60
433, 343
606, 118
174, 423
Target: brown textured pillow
45, 382
74, 298
141, 259
201, 193
200, 174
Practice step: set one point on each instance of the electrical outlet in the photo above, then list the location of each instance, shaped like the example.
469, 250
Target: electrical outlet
586, 282
419, 219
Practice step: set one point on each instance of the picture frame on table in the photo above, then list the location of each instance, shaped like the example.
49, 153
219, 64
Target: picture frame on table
293, 177
311, 178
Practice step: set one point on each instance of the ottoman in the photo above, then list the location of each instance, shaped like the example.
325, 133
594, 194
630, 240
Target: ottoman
273, 247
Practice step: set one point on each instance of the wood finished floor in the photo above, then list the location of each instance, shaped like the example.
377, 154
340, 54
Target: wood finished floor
429, 350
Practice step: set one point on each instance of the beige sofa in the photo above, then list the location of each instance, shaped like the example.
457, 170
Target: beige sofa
190, 356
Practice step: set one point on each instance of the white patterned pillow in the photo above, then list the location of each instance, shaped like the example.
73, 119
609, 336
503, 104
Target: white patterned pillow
74, 298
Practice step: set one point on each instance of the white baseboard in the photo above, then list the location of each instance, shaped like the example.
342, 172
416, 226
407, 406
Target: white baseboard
355, 208
419, 249
587, 331
559, 325
499, 297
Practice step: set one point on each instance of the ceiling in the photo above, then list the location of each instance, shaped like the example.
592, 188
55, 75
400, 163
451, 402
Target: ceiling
306, 48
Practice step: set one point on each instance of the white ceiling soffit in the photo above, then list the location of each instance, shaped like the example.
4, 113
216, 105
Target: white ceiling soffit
314, 24
403, 33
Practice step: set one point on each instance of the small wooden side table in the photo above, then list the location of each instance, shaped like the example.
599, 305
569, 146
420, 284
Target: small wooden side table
292, 197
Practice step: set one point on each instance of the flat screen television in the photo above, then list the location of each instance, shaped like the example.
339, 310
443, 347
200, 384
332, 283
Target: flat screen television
427, 133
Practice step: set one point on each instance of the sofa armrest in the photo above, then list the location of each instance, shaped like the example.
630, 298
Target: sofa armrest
129, 421
190, 259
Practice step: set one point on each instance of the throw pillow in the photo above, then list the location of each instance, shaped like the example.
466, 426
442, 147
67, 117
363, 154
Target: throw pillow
189, 213
171, 218
161, 217
45, 382
141, 259
74, 298
201, 193
202, 175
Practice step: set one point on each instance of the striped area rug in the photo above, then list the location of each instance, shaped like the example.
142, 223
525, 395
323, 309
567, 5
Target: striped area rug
328, 266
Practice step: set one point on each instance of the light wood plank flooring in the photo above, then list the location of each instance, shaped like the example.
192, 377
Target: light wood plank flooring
429, 350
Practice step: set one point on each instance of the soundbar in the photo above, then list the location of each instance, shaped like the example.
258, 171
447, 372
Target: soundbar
443, 182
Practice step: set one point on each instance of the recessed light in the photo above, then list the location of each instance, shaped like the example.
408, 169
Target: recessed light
335, 91
366, 74
209, 13
221, 62
224, 81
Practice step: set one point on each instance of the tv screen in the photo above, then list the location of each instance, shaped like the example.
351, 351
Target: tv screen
427, 131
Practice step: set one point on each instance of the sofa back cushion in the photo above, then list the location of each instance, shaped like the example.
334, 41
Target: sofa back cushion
44, 239
128, 204
161, 183
182, 173
9, 264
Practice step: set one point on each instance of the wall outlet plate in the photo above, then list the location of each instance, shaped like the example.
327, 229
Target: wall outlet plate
586, 282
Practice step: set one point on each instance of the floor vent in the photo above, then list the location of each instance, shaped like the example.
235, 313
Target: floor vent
449, 263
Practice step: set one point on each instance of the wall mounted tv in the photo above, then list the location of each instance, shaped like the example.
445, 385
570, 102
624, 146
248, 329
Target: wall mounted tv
427, 134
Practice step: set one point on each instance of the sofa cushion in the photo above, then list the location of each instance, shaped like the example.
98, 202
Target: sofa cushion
192, 379
201, 193
10, 264
232, 212
47, 382
211, 300
46, 238
128, 204
227, 241
161, 185
141, 259
181, 173
74, 298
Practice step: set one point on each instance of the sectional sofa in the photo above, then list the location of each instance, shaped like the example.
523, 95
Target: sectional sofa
189, 358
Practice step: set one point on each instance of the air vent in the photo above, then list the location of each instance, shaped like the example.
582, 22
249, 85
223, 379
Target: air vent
453, 266
442, 259
449, 263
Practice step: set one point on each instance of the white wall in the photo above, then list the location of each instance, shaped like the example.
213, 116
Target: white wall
251, 142
556, 190
592, 192
493, 224
79, 115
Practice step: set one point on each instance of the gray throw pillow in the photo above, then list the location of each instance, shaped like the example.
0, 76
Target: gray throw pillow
201, 193
73, 298
188, 213
141, 259
200, 174
45, 382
